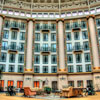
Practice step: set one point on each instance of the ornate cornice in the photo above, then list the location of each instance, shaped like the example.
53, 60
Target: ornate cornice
49, 4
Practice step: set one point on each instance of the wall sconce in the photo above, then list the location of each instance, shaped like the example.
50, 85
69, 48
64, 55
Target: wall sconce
62, 78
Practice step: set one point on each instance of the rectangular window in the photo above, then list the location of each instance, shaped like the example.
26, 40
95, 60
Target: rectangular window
71, 83
14, 35
98, 22
77, 46
1, 85
2, 67
83, 24
22, 35
37, 47
76, 35
45, 37
88, 68
20, 68
20, 84
45, 27
69, 47
70, 69
53, 59
87, 57
10, 83
45, 59
12, 58
11, 68
7, 24
36, 84
6, 34
68, 36
4, 45
21, 47
45, 47
70, 58
89, 82
45, 69
36, 69
36, 59
53, 47
99, 32
14, 24
54, 69
53, 36
75, 25
80, 83
53, 27
68, 26
22, 26
37, 36
78, 58
84, 35
79, 68
37, 27
3, 57
13, 46
86, 45
21, 58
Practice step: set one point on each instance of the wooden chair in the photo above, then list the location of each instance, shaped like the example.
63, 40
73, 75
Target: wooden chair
28, 92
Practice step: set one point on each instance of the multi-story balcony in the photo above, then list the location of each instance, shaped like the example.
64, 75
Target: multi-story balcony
12, 49
76, 27
14, 26
45, 50
77, 49
45, 28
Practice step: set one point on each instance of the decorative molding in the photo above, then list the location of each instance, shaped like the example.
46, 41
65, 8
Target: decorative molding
30, 19
60, 19
28, 70
89, 16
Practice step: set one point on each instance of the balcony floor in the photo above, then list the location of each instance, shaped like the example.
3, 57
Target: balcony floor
94, 97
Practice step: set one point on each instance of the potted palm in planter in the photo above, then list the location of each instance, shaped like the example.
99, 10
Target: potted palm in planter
47, 90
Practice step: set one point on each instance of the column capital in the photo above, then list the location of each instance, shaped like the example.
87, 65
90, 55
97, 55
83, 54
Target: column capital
31, 19
90, 16
60, 19
28, 70
96, 68
60, 70
3, 16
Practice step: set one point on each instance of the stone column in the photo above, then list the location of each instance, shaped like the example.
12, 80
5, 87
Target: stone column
28, 76
61, 45
62, 77
95, 52
94, 46
29, 46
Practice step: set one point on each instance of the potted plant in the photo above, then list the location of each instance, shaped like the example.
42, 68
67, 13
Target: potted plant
47, 90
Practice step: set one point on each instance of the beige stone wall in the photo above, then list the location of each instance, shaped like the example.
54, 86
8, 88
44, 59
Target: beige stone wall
29, 79
96, 81
15, 78
84, 78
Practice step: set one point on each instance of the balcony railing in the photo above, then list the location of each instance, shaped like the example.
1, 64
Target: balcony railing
45, 50
77, 48
12, 49
76, 27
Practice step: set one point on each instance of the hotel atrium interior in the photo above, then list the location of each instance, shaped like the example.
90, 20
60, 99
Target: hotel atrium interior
54, 42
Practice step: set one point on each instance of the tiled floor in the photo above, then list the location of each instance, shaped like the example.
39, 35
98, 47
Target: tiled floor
4, 97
